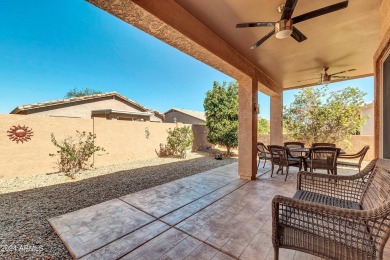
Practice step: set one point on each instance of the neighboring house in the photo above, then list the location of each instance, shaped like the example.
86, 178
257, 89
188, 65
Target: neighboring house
368, 110
110, 105
185, 116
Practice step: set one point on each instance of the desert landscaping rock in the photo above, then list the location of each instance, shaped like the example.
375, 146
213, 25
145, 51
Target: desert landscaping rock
27, 203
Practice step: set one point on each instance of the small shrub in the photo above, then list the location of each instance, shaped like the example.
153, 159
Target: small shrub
164, 151
179, 140
75, 152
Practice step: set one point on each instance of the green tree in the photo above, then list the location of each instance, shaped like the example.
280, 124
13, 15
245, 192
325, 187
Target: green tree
80, 93
262, 126
317, 115
221, 109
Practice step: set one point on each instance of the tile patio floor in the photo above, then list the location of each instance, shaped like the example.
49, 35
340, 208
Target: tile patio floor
210, 215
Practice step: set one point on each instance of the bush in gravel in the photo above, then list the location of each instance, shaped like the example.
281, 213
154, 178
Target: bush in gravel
179, 140
164, 151
75, 152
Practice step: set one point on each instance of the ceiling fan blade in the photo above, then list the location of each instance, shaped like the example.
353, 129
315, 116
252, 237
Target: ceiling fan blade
341, 77
288, 9
319, 12
342, 72
259, 42
255, 24
297, 35
307, 80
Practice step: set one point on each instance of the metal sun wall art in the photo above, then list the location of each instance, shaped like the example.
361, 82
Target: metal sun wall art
20, 134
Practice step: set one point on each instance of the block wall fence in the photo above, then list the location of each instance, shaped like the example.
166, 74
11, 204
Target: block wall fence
123, 140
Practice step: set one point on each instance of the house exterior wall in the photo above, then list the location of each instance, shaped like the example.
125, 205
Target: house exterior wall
83, 109
379, 57
368, 128
182, 118
200, 138
154, 118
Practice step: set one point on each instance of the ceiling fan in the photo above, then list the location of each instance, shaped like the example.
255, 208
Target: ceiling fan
324, 77
285, 26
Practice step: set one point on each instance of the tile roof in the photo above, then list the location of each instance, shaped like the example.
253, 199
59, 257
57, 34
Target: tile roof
197, 114
78, 99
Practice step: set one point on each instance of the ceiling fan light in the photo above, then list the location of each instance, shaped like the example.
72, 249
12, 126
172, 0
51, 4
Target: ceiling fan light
283, 29
283, 34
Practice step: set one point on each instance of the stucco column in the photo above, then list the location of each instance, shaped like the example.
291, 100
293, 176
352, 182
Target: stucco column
247, 130
276, 110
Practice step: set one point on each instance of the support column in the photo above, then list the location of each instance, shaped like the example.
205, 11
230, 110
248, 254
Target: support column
276, 119
247, 129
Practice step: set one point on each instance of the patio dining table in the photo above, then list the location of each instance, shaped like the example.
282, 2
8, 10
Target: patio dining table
304, 154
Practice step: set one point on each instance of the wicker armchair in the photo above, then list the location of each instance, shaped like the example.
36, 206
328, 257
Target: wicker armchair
336, 217
279, 157
262, 153
295, 155
324, 158
359, 155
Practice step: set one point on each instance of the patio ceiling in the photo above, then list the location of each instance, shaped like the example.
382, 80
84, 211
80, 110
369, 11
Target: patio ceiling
341, 40
206, 30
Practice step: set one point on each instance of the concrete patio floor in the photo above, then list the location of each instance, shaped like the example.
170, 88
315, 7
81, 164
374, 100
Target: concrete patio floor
210, 215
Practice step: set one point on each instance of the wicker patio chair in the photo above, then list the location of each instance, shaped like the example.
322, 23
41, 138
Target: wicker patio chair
262, 153
324, 158
357, 155
279, 157
298, 156
336, 217
323, 145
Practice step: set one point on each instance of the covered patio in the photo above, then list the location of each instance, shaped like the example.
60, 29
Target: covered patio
216, 215
210, 215
356, 37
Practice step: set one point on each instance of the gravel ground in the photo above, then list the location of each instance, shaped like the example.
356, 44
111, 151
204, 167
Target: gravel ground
24, 230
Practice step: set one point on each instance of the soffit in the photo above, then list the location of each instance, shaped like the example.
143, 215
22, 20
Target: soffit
341, 40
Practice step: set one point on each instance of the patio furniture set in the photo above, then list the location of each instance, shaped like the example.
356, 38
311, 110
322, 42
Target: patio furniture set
330, 216
324, 156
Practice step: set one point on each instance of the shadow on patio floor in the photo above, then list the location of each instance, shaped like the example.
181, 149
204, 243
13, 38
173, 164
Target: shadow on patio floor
25, 231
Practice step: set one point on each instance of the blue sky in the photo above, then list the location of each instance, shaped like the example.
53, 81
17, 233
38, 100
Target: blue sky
49, 47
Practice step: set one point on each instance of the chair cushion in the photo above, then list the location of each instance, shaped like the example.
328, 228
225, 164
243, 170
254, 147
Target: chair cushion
294, 159
351, 164
326, 200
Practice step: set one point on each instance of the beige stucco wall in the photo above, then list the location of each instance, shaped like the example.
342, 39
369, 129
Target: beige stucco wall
182, 118
32, 157
126, 140
123, 140
357, 143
